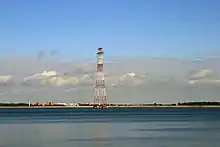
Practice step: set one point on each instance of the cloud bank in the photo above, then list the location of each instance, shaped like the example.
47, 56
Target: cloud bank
143, 80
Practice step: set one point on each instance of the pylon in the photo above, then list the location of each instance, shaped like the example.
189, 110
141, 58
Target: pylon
100, 95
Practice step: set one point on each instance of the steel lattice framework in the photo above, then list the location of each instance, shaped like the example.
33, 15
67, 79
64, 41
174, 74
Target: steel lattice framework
100, 95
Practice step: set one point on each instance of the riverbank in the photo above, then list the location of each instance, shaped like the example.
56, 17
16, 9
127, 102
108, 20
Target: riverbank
164, 106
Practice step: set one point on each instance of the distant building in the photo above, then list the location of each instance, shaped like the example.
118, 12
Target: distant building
38, 103
73, 104
62, 104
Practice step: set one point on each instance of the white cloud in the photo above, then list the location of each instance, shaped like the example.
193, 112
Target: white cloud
204, 76
165, 81
44, 74
51, 78
129, 79
203, 73
5, 79
61, 81
204, 81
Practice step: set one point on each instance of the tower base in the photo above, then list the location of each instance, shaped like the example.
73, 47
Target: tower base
100, 106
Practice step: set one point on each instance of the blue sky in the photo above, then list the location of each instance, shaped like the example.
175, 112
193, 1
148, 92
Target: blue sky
176, 28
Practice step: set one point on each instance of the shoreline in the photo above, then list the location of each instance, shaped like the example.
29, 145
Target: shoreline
60, 107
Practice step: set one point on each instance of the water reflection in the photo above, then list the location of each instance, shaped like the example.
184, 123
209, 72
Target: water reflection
94, 134
101, 132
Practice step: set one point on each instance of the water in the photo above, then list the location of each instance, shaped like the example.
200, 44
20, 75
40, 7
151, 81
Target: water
136, 127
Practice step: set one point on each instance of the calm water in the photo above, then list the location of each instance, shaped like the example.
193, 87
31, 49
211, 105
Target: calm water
150, 127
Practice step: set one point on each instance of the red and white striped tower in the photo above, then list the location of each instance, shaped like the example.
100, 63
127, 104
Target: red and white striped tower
100, 96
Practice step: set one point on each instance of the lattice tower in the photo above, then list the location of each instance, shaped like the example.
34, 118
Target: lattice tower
100, 96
